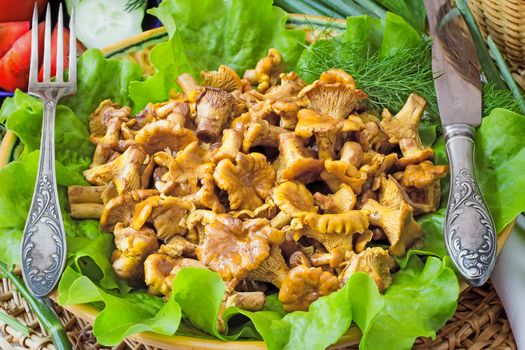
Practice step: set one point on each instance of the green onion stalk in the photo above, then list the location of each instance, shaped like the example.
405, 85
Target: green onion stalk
42, 309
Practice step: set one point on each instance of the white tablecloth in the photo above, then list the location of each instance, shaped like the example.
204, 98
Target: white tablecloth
509, 281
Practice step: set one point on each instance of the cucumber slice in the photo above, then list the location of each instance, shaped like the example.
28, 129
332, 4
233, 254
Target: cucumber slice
101, 23
70, 4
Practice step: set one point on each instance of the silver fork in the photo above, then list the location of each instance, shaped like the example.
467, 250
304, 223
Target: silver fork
44, 241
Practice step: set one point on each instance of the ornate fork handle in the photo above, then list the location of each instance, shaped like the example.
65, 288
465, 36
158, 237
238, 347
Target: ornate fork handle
470, 236
44, 242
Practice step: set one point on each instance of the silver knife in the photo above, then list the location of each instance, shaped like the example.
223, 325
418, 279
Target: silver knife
469, 231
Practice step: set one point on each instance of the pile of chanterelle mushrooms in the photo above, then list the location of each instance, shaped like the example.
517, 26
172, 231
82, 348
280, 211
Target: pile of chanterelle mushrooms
265, 180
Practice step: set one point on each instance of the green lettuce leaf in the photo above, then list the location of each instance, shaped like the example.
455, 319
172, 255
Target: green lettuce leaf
122, 315
208, 33
413, 11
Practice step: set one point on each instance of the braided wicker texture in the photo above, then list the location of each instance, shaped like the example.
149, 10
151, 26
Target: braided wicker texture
479, 323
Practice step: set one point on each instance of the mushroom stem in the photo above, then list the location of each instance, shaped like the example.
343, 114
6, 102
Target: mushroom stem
187, 83
352, 153
280, 220
231, 144
214, 107
85, 194
251, 301
298, 164
86, 210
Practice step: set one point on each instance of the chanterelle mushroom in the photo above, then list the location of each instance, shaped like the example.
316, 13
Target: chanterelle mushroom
124, 171
106, 111
399, 225
268, 70
132, 249
224, 78
376, 262
423, 174
304, 285
341, 201
162, 134
334, 94
337, 172
272, 270
120, 208
403, 129
295, 162
233, 247
392, 195
214, 108
248, 182
230, 146
161, 269
293, 198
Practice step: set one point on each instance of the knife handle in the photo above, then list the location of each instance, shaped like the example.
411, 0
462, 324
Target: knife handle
469, 232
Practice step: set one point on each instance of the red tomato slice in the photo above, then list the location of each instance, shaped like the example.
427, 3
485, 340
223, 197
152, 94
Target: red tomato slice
19, 10
14, 66
54, 53
9, 32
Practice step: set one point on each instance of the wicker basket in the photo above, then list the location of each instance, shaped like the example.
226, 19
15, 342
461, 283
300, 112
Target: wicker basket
504, 20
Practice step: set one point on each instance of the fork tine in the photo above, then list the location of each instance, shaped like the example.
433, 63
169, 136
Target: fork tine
60, 47
47, 47
33, 68
72, 50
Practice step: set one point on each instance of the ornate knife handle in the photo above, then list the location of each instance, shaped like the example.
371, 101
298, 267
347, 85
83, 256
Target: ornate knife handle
469, 233
44, 241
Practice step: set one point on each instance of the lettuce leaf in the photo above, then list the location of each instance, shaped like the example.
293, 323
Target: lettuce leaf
122, 315
207, 33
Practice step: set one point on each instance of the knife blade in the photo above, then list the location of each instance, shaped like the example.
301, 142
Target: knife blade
469, 230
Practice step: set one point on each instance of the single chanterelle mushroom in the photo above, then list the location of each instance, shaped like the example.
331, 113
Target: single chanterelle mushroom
132, 249
160, 270
261, 133
224, 78
376, 262
162, 134
334, 94
214, 108
403, 129
105, 112
304, 285
323, 127
120, 208
248, 181
272, 270
352, 153
295, 161
341, 201
233, 247
337, 172
398, 224
287, 112
179, 246
293, 198
267, 71
123, 171
230, 146
392, 195
371, 137
251, 301
423, 174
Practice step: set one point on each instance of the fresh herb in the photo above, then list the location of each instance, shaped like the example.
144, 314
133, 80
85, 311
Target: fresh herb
134, 4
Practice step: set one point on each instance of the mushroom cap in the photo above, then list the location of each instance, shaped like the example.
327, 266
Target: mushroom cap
123, 171
214, 108
233, 247
169, 217
303, 285
248, 182
160, 270
311, 122
224, 78
337, 172
106, 110
376, 262
268, 210
405, 125
347, 223
293, 198
343, 200
399, 225
178, 246
230, 146
268, 69
335, 94
162, 134
132, 249
272, 270
120, 208
295, 162
423, 174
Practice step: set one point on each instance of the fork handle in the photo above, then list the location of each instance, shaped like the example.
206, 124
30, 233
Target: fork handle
44, 241
469, 230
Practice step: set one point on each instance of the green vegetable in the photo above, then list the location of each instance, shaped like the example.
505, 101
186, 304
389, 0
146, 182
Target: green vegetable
413, 11
101, 23
14, 323
209, 33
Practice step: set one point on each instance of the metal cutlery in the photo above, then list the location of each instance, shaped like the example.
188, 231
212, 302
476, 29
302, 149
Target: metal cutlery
469, 231
44, 242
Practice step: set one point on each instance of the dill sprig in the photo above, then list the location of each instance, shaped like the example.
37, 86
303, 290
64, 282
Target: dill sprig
134, 4
387, 80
